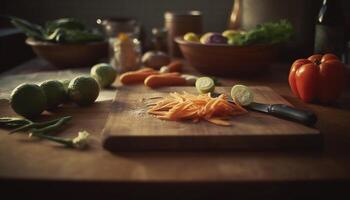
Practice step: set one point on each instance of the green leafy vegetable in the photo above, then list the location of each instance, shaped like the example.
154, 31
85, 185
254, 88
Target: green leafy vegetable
62, 35
267, 33
31, 30
64, 30
65, 23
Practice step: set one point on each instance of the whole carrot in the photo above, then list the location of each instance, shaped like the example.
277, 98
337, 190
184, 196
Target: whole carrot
135, 77
175, 66
168, 79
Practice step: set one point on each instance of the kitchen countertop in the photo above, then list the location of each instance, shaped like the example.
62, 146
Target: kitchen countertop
26, 164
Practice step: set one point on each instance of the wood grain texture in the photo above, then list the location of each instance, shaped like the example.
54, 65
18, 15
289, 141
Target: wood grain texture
130, 128
30, 161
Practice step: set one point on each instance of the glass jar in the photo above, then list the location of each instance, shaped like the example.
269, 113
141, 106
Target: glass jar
127, 53
112, 27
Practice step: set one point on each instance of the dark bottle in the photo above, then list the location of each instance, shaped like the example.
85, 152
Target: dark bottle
330, 29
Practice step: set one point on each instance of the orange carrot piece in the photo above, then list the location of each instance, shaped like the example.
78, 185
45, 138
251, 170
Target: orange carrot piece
195, 107
155, 81
135, 77
175, 66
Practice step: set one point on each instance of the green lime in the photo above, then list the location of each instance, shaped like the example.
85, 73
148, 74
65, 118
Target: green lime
205, 85
28, 100
83, 90
104, 73
54, 92
242, 94
230, 33
192, 37
65, 85
233, 36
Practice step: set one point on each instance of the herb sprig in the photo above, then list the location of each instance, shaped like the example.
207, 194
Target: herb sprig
42, 130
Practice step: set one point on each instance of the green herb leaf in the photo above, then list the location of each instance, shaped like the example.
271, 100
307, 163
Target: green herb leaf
267, 33
51, 127
30, 29
13, 122
64, 23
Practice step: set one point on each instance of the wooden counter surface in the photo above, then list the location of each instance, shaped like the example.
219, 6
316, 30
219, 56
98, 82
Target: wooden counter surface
26, 163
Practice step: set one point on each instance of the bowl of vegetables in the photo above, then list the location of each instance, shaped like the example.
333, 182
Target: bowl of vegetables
64, 42
235, 51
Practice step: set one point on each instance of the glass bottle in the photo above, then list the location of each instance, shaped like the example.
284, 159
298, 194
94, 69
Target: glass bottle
330, 29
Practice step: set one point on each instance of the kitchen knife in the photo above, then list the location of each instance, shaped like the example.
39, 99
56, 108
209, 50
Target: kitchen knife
281, 110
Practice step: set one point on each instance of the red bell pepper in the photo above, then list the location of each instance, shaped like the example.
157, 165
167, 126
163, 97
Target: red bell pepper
320, 77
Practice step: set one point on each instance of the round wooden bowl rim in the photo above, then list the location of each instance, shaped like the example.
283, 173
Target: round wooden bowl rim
181, 41
33, 42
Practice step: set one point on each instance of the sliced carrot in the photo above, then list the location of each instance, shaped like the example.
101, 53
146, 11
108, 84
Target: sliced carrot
196, 107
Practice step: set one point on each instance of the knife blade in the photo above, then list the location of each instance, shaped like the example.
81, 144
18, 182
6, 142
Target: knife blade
305, 117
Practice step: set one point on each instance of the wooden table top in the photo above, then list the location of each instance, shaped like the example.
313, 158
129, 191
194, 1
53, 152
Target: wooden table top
24, 159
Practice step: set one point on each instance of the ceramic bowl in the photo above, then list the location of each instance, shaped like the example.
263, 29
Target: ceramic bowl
69, 55
226, 60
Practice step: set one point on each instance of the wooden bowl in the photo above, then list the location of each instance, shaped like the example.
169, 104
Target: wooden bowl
227, 60
69, 55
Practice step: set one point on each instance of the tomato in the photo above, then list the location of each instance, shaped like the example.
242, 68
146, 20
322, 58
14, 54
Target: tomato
320, 77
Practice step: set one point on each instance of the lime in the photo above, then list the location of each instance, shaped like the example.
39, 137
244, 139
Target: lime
54, 92
192, 37
28, 100
230, 33
65, 85
233, 36
104, 74
83, 90
205, 85
242, 94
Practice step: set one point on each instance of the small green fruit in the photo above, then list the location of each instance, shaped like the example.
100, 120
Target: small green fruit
205, 85
104, 74
54, 92
192, 37
234, 37
65, 85
83, 90
28, 100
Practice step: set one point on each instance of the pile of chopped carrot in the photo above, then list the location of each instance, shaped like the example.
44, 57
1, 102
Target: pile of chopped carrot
187, 106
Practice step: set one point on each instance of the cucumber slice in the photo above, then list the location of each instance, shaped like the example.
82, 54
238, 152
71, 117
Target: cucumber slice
205, 85
242, 94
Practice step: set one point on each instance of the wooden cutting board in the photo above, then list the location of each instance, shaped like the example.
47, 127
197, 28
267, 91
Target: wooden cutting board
130, 128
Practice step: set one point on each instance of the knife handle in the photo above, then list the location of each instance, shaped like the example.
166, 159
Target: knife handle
302, 116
